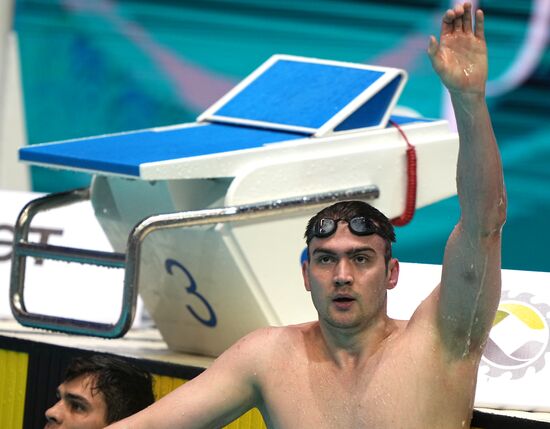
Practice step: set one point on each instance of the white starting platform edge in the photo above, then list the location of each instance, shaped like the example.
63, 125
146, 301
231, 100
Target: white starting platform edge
514, 372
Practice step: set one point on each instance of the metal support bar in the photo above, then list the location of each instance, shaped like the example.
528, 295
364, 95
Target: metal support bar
22, 249
131, 261
71, 254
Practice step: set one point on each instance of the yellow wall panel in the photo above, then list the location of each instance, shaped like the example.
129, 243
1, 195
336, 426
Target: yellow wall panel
13, 384
164, 385
250, 420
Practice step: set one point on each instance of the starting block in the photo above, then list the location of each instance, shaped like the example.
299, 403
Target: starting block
207, 218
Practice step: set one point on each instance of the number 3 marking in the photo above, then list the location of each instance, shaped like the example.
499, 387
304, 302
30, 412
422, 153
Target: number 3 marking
192, 290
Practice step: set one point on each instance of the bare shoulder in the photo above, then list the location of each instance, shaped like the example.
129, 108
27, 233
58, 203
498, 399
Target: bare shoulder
266, 342
274, 338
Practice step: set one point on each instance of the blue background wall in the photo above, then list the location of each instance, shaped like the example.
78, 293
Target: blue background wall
94, 67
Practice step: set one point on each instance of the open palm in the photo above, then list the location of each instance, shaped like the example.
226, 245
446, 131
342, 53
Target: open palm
460, 57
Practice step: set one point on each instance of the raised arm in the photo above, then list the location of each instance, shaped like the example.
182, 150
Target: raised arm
470, 284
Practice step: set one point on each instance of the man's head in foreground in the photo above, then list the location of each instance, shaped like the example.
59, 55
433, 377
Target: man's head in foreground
350, 266
99, 390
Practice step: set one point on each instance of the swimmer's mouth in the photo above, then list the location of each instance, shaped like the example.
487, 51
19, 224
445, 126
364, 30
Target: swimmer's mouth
343, 299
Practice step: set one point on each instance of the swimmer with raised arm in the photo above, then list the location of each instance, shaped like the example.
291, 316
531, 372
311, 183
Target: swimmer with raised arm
355, 367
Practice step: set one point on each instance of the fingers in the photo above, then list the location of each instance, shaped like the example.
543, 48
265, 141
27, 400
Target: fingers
460, 20
432, 47
457, 19
467, 18
480, 25
447, 26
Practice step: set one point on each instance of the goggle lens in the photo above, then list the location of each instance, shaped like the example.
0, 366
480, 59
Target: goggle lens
325, 227
358, 225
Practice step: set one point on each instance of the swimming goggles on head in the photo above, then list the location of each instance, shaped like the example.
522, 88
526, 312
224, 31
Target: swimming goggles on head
359, 225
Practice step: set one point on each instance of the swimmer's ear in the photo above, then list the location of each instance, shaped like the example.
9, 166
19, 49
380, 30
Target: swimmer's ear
393, 273
305, 275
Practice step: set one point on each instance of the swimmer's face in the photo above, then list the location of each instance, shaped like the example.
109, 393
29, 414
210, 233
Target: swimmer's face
79, 406
347, 277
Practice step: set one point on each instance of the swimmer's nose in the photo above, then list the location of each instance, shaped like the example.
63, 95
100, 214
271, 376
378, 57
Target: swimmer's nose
343, 273
53, 415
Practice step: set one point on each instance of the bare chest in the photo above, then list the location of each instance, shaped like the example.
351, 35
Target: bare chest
393, 392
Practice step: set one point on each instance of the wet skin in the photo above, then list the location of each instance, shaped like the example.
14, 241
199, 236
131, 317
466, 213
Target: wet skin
350, 368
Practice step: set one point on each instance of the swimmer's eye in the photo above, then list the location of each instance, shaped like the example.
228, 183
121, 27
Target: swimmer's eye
325, 259
77, 406
361, 259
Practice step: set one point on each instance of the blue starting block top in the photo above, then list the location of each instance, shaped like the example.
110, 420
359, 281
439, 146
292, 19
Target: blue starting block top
287, 98
125, 153
317, 97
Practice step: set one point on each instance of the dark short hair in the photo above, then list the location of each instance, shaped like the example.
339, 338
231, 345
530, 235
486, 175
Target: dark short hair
349, 209
126, 388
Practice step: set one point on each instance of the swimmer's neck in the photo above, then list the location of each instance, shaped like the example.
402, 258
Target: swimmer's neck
352, 347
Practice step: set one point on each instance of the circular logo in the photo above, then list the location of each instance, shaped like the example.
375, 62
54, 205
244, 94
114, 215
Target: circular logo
520, 337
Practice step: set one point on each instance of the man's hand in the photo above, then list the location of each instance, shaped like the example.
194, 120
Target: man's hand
460, 57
